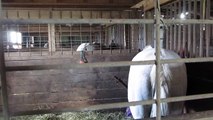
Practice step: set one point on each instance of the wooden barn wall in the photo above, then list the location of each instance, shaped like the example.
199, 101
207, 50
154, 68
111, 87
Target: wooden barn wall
66, 14
58, 89
190, 40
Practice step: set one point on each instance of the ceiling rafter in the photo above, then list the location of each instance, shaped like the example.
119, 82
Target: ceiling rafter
149, 4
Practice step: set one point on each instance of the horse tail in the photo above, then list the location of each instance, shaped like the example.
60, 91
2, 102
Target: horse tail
165, 77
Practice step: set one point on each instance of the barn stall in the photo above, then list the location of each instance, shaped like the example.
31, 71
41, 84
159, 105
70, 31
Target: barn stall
42, 70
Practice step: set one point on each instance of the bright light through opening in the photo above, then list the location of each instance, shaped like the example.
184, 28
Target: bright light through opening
15, 38
182, 16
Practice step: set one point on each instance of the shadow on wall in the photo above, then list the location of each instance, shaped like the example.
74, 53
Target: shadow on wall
200, 81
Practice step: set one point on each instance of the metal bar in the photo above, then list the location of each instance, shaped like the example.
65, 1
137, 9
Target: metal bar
171, 29
119, 37
50, 39
179, 27
70, 66
105, 64
189, 41
60, 40
77, 21
29, 40
167, 30
17, 30
71, 40
158, 61
90, 35
208, 36
194, 29
7, 39
175, 29
100, 35
3, 73
148, 102
40, 42
102, 21
184, 29
201, 30
116, 105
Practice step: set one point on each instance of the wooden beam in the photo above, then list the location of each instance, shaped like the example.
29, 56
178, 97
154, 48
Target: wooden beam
149, 4
100, 4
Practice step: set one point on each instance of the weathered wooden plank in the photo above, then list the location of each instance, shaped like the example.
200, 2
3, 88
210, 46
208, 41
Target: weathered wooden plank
106, 14
56, 15
44, 14
115, 14
33, 14
96, 14
77, 94
51, 80
125, 14
149, 4
111, 93
4, 14
13, 14
49, 106
86, 14
65, 15
23, 14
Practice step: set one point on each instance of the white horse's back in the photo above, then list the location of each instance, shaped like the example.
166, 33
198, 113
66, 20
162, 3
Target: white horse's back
142, 81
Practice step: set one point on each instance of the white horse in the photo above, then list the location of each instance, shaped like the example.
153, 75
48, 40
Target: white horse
141, 84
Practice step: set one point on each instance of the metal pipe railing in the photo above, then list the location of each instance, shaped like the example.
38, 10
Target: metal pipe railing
158, 61
103, 21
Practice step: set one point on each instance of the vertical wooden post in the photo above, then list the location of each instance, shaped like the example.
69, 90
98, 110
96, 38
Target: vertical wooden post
3, 73
3, 79
51, 38
132, 37
149, 29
